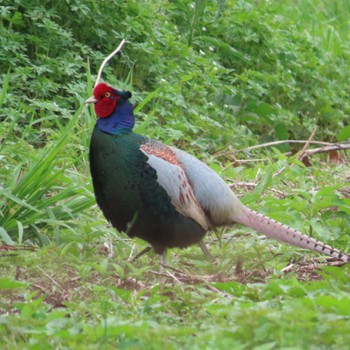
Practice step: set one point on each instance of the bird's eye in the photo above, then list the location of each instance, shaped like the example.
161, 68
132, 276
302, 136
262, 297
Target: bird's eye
107, 94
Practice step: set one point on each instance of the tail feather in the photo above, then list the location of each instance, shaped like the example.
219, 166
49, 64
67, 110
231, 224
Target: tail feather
278, 231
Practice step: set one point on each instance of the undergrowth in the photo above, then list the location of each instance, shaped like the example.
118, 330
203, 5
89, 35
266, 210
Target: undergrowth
213, 78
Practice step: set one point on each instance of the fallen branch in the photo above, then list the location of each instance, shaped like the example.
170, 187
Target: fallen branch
7, 247
329, 148
312, 265
274, 143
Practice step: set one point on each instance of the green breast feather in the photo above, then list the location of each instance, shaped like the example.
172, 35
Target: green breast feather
129, 195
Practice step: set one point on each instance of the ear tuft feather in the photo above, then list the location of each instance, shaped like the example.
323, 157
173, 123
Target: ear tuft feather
124, 94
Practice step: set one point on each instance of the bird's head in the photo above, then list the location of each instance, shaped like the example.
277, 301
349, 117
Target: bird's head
106, 98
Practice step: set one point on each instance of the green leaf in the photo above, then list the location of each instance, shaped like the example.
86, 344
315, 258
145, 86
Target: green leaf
344, 134
5, 237
7, 283
5, 87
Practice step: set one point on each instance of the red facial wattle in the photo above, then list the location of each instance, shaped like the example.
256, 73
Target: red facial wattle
106, 100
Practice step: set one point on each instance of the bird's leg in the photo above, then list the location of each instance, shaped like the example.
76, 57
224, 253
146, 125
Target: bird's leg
205, 250
163, 258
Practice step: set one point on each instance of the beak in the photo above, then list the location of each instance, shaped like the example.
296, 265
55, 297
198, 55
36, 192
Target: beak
91, 99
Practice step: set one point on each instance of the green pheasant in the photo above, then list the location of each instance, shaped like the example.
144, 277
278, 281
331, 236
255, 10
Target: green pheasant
164, 195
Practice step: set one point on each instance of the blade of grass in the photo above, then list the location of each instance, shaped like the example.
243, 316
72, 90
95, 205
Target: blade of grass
142, 127
5, 237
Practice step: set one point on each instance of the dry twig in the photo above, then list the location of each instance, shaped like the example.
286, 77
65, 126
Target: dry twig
302, 153
274, 143
7, 247
253, 185
107, 59
329, 148
50, 278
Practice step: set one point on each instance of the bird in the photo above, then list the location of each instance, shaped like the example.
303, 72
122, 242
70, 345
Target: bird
164, 195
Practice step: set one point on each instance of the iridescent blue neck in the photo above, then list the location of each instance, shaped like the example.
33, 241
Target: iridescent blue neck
119, 121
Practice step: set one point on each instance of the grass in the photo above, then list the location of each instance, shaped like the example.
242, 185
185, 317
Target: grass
36, 197
212, 78
242, 299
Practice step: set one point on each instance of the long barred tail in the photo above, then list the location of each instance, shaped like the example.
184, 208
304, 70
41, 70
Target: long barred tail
278, 231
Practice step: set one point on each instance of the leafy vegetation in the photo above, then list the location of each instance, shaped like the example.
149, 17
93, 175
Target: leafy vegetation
213, 77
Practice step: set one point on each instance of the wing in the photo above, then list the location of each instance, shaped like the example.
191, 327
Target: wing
172, 177
211, 191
